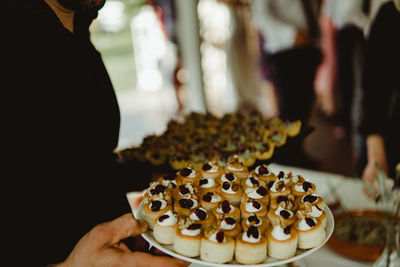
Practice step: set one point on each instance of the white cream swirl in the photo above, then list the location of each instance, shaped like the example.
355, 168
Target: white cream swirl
171, 220
188, 232
251, 238
232, 168
224, 179
279, 209
214, 167
303, 225
249, 207
193, 216
252, 193
315, 212
213, 237
229, 190
210, 183
226, 226
279, 234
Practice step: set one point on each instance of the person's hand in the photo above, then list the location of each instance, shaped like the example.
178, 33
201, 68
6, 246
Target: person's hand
375, 155
102, 246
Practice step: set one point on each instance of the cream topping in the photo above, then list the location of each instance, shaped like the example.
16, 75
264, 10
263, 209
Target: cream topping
219, 209
224, 179
193, 216
214, 168
251, 239
213, 237
279, 209
171, 220
303, 226
250, 208
215, 198
252, 193
226, 226
232, 168
188, 232
315, 212
210, 183
163, 204
279, 234
299, 188
167, 183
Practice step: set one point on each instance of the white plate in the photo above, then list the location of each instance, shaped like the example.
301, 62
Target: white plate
301, 253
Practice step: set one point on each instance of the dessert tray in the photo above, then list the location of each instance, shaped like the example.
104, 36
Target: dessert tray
301, 253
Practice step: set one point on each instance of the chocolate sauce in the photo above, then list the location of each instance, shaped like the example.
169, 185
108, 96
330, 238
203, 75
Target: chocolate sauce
310, 222
201, 214
155, 205
163, 217
206, 167
220, 237
186, 203
252, 231
183, 190
185, 172
203, 181
262, 191
284, 213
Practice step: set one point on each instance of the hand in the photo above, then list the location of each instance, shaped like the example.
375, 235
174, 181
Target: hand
102, 246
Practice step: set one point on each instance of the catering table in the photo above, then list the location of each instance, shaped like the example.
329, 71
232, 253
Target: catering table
352, 197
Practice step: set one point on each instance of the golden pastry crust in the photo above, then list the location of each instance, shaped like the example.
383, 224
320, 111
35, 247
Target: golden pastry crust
312, 237
237, 168
207, 197
252, 181
217, 252
150, 215
222, 211
289, 202
203, 217
301, 187
282, 249
188, 246
184, 190
253, 204
263, 173
278, 188
208, 170
230, 191
263, 223
250, 253
164, 234
237, 229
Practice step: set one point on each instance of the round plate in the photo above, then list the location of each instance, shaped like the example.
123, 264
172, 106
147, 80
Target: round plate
301, 253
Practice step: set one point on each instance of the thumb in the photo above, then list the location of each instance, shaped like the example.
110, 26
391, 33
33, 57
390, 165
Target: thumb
122, 227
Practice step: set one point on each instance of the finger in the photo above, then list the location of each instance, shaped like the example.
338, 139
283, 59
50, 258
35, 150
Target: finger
123, 227
145, 259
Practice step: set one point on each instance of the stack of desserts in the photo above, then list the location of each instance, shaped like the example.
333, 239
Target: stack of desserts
225, 213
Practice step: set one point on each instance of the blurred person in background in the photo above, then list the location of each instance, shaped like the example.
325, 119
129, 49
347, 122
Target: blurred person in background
65, 203
291, 50
381, 94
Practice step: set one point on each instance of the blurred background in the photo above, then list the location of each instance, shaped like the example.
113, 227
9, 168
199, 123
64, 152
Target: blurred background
169, 57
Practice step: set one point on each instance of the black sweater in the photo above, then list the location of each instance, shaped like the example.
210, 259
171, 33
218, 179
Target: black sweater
63, 128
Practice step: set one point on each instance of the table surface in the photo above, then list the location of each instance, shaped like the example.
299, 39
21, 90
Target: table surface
352, 197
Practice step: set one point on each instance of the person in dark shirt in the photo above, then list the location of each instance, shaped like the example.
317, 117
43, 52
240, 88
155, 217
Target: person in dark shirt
380, 122
63, 126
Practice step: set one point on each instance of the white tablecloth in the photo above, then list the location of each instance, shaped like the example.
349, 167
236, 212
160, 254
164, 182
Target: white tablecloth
352, 196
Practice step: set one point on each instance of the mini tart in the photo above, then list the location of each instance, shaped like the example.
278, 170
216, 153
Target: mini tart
282, 242
261, 223
276, 136
252, 181
165, 227
217, 248
264, 173
158, 191
202, 216
251, 247
188, 175
278, 188
208, 185
177, 164
292, 128
259, 194
285, 177
185, 205
211, 169
313, 211
228, 177
210, 200
237, 168
311, 233
252, 207
229, 226
248, 158
225, 209
267, 150
290, 202
305, 188
169, 181
281, 216
313, 199
184, 190
154, 209
230, 191
187, 240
